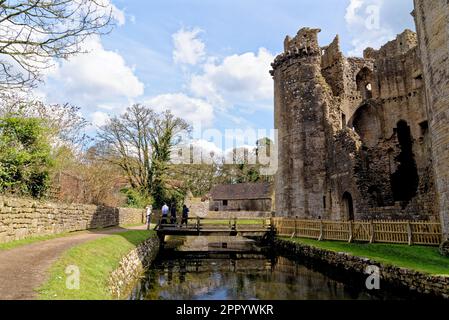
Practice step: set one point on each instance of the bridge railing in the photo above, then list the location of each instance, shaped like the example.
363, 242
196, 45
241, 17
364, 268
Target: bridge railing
232, 224
382, 231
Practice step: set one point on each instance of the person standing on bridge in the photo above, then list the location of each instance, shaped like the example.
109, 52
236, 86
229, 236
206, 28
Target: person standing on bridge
185, 215
173, 213
164, 214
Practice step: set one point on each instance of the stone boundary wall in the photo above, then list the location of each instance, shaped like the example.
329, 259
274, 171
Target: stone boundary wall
130, 216
394, 276
24, 218
197, 207
131, 267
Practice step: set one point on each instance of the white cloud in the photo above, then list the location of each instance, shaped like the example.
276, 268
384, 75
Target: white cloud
203, 149
118, 15
99, 118
238, 79
189, 49
193, 110
352, 16
372, 23
104, 8
99, 77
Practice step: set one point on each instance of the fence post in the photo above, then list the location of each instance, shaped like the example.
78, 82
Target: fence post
372, 232
296, 226
409, 232
350, 232
321, 231
198, 224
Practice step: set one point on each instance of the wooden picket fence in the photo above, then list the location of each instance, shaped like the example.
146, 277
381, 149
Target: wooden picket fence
400, 232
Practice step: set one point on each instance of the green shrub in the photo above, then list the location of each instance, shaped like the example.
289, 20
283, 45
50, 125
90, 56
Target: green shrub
136, 199
24, 156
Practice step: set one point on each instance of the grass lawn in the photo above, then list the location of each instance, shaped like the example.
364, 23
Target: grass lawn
31, 240
95, 260
418, 258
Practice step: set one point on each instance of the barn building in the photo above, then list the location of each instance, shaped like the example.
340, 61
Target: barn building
255, 197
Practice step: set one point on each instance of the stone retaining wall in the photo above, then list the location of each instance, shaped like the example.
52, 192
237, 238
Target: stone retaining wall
23, 218
131, 268
394, 276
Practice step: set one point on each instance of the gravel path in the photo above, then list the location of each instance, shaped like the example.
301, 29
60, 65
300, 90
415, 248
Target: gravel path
25, 268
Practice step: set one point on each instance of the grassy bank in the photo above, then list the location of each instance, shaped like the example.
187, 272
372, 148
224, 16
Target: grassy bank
95, 260
418, 258
24, 242
19, 243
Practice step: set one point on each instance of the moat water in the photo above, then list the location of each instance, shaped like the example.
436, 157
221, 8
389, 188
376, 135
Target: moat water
220, 268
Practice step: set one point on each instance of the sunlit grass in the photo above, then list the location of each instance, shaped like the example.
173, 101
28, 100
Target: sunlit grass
418, 258
30, 240
95, 260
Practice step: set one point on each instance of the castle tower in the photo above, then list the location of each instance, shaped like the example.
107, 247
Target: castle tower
432, 24
301, 99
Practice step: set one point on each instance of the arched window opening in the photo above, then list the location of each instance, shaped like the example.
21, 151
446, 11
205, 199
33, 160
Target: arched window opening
364, 83
348, 206
405, 180
367, 124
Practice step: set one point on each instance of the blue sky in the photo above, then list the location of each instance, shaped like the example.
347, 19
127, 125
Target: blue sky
208, 60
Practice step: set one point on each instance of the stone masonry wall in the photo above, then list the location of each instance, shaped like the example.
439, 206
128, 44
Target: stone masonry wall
23, 218
302, 98
432, 24
198, 207
131, 267
238, 214
394, 276
351, 130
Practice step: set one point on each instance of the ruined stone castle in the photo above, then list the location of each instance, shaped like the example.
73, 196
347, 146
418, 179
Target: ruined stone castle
366, 138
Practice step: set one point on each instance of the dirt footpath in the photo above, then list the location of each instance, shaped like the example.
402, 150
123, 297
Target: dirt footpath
24, 269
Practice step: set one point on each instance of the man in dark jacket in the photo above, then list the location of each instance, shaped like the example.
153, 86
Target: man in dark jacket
185, 215
173, 214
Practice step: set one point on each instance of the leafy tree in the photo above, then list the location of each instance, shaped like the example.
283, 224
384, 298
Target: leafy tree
24, 156
140, 142
242, 170
197, 178
65, 127
65, 121
135, 199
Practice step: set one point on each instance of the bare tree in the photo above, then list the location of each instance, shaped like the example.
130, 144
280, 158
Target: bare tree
140, 142
65, 120
33, 32
197, 178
